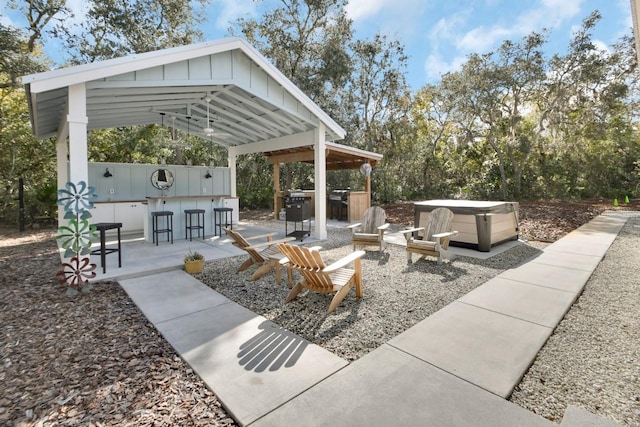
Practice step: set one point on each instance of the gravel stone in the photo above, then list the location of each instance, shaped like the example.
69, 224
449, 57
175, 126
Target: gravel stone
396, 295
592, 360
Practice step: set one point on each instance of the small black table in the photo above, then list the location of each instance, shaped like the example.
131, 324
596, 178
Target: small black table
103, 251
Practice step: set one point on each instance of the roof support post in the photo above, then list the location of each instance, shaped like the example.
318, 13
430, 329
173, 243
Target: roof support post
77, 120
62, 172
320, 180
232, 158
61, 169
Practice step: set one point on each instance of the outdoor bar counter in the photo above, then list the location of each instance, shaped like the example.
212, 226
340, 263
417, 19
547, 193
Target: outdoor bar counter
178, 204
480, 224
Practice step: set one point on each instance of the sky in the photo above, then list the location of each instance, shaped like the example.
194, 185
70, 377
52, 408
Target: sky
438, 35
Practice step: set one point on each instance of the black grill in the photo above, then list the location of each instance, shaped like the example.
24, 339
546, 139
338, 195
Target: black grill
297, 208
298, 211
338, 202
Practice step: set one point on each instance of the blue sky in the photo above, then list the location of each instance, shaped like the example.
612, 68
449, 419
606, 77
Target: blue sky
439, 34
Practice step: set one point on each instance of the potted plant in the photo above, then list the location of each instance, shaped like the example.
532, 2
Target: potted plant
193, 262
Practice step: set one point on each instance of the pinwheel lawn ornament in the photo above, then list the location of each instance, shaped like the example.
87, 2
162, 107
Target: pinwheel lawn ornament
75, 237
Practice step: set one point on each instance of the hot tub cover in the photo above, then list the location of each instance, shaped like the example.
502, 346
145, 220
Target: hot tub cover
468, 207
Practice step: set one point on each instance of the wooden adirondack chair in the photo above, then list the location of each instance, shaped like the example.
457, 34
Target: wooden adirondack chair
318, 277
265, 254
370, 232
437, 234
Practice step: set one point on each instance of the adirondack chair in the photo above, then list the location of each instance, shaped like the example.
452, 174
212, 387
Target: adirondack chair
318, 277
437, 234
370, 232
265, 254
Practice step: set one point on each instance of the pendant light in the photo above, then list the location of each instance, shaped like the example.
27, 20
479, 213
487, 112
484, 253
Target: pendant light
161, 138
208, 131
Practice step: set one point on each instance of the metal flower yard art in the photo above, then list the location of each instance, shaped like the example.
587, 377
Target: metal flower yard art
75, 238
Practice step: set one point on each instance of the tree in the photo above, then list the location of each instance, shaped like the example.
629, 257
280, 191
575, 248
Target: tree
307, 41
112, 28
586, 112
22, 155
115, 28
39, 14
16, 59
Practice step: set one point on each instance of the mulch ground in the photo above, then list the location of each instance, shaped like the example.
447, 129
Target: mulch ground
94, 359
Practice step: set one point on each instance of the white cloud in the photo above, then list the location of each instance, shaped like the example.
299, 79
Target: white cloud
357, 9
435, 66
228, 11
550, 14
445, 29
6, 21
481, 39
562, 8
79, 9
601, 46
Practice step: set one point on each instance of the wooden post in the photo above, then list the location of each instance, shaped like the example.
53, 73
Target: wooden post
367, 188
21, 203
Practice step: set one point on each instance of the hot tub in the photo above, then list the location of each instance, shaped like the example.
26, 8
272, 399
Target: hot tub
480, 224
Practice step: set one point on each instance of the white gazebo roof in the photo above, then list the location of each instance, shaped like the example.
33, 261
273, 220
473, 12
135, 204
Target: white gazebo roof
249, 99
224, 85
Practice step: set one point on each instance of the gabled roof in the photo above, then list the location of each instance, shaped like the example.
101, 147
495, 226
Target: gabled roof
249, 99
337, 156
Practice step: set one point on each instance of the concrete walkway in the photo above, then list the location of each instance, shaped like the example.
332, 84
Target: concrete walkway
454, 368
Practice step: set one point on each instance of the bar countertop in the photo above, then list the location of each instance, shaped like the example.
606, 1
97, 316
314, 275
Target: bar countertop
199, 196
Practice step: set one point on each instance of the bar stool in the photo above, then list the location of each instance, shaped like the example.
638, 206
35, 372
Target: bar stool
188, 223
168, 215
103, 251
218, 214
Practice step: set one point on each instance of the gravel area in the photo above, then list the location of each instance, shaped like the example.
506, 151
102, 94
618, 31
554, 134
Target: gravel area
396, 295
592, 360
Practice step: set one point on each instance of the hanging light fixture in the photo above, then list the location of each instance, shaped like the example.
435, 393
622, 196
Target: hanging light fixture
211, 165
208, 131
161, 139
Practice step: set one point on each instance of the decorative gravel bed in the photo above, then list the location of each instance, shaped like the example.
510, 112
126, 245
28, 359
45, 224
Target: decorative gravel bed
396, 295
592, 360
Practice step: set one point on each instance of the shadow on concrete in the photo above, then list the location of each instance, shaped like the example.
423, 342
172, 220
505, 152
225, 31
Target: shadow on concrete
272, 348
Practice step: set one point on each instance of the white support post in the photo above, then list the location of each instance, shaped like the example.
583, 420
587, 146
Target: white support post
61, 166
320, 170
77, 119
233, 157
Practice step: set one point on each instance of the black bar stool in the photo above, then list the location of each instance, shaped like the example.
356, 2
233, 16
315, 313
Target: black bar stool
168, 215
218, 215
103, 251
188, 222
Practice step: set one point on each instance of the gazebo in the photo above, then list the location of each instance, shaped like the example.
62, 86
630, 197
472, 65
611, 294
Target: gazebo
256, 109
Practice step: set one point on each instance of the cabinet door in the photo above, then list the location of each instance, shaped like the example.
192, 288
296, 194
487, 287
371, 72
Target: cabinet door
235, 205
101, 212
131, 215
